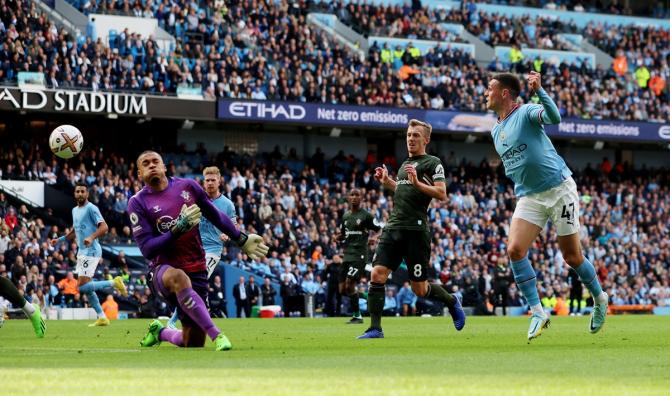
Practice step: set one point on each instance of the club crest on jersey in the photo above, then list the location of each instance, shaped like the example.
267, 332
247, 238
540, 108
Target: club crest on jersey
358, 221
502, 138
186, 195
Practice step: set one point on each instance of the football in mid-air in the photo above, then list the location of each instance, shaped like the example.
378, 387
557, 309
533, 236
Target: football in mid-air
66, 141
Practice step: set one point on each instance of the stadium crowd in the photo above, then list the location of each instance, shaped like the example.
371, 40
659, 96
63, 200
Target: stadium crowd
267, 51
296, 203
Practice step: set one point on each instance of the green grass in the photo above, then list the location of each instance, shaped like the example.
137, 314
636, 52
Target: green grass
420, 356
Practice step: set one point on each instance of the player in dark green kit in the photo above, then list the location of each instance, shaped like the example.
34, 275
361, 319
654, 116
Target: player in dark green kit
406, 236
354, 231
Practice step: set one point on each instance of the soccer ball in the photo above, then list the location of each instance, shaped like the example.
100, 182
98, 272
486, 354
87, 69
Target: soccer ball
66, 141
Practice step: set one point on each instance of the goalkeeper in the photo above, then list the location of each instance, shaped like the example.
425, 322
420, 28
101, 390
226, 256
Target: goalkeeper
164, 216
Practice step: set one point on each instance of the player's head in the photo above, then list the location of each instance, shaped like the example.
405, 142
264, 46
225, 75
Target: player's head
212, 176
418, 137
354, 198
80, 193
150, 167
503, 88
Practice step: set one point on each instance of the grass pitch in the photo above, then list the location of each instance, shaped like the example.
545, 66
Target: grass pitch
420, 356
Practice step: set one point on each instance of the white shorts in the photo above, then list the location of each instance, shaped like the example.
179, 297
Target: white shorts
212, 261
560, 204
86, 265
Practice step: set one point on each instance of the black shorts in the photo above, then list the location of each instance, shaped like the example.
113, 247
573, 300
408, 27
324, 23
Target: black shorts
198, 283
413, 246
353, 269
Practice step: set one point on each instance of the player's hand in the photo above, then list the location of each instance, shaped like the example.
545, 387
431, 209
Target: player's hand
189, 217
53, 242
411, 174
253, 246
534, 81
88, 241
224, 237
381, 174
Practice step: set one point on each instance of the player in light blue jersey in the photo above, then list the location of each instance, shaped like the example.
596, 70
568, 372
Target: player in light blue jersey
212, 238
544, 188
87, 226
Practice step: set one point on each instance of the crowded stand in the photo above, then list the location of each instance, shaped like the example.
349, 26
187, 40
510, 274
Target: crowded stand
293, 202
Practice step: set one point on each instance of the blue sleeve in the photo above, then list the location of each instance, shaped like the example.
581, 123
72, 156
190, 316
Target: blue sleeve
544, 113
211, 213
95, 215
149, 244
230, 209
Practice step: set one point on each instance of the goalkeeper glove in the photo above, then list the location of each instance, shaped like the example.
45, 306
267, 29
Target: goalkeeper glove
252, 245
189, 217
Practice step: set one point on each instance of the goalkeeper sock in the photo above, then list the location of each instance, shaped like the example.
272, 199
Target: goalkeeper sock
175, 337
195, 308
376, 304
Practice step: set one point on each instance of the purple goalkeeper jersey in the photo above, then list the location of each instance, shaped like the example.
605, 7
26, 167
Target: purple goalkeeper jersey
153, 214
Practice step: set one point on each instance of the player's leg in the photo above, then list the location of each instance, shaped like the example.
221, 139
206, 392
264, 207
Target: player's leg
85, 271
387, 258
190, 298
172, 323
572, 253
527, 223
376, 293
193, 337
12, 294
417, 264
565, 214
353, 277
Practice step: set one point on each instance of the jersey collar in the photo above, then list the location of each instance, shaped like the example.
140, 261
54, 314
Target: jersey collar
516, 106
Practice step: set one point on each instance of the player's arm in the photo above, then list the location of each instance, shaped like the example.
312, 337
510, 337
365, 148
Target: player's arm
222, 222
548, 113
67, 237
102, 229
149, 244
382, 176
438, 190
251, 244
341, 235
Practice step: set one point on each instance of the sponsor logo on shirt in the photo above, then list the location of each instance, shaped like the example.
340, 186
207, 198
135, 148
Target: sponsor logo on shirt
165, 224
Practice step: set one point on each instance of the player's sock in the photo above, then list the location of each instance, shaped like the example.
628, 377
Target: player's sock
28, 308
11, 293
355, 309
173, 319
95, 285
195, 308
526, 281
172, 336
437, 292
376, 294
95, 304
587, 274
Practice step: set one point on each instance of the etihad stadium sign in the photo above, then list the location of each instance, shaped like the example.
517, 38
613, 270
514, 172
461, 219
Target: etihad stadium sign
39, 99
443, 121
74, 101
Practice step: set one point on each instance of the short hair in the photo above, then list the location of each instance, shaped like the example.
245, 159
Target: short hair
81, 184
427, 128
211, 170
510, 82
145, 152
